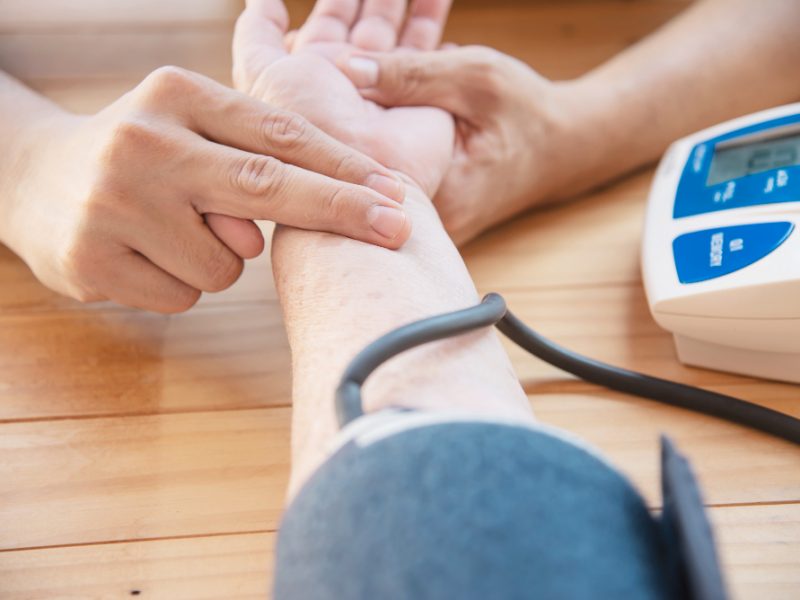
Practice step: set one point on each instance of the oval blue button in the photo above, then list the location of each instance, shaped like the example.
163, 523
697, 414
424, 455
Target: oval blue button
704, 255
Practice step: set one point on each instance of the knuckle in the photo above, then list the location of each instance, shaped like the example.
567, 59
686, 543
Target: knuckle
415, 76
258, 175
132, 135
169, 79
165, 87
484, 73
334, 205
109, 204
284, 129
347, 165
222, 270
181, 301
134, 141
481, 62
132, 131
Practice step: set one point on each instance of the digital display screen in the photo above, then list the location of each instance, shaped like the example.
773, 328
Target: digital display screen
746, 159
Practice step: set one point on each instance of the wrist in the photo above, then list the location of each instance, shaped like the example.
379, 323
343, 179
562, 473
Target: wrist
330, 255
553, 149
341, 293
36, 153
572, 144
587, 147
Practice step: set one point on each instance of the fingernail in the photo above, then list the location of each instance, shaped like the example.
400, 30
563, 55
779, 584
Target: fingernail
363, 72
388, 222
387, 186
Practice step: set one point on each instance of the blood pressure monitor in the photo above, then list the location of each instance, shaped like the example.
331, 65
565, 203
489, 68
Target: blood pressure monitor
721, 248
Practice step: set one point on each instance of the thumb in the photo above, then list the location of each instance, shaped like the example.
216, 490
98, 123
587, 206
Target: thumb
242, 236
258, 40
454, 79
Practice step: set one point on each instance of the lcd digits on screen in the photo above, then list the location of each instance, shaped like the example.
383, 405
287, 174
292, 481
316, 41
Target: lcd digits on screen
737, 161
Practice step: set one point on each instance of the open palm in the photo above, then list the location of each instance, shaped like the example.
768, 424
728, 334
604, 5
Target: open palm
417, 141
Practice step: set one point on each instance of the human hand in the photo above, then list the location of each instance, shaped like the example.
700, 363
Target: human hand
416, 141
112, 206
516, 132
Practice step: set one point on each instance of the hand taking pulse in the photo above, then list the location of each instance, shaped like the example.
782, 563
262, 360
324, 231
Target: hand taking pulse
510, 126
150, 201
522, 140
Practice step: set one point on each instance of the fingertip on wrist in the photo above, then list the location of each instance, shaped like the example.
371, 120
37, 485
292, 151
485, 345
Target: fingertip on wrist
387, 185
391, 224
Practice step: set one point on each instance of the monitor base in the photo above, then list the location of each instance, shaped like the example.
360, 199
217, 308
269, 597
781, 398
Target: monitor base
755, 363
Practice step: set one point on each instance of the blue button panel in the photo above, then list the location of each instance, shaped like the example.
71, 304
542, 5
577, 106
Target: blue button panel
695, 197
711, 253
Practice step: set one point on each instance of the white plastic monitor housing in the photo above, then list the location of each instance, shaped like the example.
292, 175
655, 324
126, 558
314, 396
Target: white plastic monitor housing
747, 321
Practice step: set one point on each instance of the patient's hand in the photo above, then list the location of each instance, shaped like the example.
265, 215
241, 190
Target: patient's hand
417, 141
338, 294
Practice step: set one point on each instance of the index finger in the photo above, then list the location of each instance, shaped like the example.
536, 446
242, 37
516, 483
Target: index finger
235, 120
251, 186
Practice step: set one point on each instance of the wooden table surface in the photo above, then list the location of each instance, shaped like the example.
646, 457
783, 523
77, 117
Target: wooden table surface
148, 455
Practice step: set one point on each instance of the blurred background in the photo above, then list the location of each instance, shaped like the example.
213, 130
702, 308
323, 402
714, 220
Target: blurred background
83, 53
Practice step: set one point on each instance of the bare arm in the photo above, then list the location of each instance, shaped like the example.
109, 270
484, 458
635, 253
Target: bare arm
718, 60
148, 202
338, 295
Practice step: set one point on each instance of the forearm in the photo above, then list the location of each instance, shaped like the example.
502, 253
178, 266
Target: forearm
338, 295
21, 107
718, 60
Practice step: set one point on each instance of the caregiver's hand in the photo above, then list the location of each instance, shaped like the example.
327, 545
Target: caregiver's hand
523, 140
121, 205
515, 130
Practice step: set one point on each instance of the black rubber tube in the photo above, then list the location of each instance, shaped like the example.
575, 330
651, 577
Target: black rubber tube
661, 390
348, 394
493, 311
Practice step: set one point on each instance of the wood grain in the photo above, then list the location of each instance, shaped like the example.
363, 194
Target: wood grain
90, 480
149, 454
234, 567
93, 480
759, 545
126, 362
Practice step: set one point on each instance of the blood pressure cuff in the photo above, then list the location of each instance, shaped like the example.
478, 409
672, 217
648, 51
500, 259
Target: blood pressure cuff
414, 507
